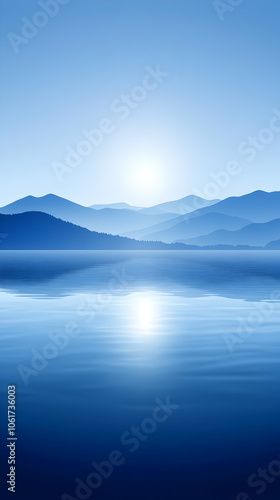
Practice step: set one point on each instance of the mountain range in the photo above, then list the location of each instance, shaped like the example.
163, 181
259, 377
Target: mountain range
248, 221
227, 222
107, 220
40, 231
188, 226
257, 234
115, 206
183, 206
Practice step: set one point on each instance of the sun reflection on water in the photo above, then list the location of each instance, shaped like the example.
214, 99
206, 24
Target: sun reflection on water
146, 313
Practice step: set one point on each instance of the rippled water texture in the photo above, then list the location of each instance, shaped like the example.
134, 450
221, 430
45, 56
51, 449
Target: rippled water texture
92, 339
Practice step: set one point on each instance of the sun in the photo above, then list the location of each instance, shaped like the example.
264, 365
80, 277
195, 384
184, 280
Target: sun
146, 177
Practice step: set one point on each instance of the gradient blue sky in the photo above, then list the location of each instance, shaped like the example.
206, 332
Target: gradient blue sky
223, 84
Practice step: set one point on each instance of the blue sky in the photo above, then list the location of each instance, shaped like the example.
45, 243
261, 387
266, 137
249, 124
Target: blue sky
222, 87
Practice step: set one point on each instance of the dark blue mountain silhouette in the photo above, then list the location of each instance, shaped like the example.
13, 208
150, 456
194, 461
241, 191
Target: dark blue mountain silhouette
106, 221
225, 225
39, 231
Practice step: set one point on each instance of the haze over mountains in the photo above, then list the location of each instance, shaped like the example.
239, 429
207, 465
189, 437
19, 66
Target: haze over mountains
106, 220
257, 234
258, 206
116, 206
183, 206
40, 231
202, 227
252, 220
190, 226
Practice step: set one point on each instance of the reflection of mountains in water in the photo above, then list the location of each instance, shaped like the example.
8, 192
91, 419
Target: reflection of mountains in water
247, 275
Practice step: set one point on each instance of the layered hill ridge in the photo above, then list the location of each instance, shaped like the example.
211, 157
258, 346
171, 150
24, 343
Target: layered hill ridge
105, 220
248, 221
182, 206
40, 231
258, 206
189, 226
230, 214
256, 234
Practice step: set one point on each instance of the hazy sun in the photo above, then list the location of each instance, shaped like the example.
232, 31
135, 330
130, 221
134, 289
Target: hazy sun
145, 180
146, 177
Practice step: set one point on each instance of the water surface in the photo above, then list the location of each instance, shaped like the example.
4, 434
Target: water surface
199, 327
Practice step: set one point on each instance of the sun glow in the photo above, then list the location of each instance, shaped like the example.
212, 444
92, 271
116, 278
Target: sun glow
146, 177
145, 314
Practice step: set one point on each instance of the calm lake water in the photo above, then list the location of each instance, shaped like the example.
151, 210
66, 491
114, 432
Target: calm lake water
94, 340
